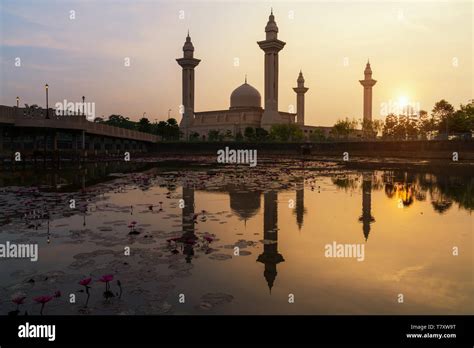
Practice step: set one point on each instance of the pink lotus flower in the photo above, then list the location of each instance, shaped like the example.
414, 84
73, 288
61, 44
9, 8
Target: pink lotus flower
85, 282
18, 300
106, 278
43, 300
133, 222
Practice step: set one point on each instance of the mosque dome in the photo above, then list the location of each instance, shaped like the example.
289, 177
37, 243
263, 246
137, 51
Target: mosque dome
245, 96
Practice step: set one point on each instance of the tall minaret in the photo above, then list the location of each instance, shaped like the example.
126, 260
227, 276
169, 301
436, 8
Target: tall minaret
368, 83
271, 46
188, 63
300, 91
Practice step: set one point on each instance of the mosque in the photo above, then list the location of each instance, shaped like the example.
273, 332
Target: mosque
246, 102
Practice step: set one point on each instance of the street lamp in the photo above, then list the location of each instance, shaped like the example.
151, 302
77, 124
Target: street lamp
17, 102
47, 105
83, 106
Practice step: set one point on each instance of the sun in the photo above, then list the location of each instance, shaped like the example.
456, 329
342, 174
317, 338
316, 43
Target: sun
403, 101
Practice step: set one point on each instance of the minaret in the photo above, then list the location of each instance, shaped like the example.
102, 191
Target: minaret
271, 46
368, 83
366, 217
270, 256
300, 91
188, 63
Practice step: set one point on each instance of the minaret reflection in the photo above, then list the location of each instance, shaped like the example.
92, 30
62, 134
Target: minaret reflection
299, 210
189, 237
366, 217
270, 256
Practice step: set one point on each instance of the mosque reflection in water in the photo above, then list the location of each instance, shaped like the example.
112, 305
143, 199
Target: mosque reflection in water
245, 203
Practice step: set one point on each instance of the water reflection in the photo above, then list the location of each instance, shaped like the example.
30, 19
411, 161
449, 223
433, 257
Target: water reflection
366, 217
189, 237
270, 256
328, 206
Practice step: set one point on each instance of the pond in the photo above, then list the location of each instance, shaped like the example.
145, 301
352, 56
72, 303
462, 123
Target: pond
166, 238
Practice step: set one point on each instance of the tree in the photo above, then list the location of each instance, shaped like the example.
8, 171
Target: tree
377, 126
400, 129
343, 128
388, 131
172, 129
194, 136
286, 132
317, 135
144, 125
249, 134
441, 113
213, 135
239, 136
261, 134
369, 129
425, 125
411, 127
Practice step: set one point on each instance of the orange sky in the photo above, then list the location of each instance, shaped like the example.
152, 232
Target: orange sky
419, 51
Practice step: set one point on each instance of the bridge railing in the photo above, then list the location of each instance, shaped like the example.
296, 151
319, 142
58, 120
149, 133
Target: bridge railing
22, 117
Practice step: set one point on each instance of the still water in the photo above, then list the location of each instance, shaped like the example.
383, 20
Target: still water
238, 240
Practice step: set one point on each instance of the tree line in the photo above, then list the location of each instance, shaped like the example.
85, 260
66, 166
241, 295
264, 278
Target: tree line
444, 122
167, 130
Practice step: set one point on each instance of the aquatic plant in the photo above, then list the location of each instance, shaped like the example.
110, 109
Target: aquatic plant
107, 279
43, 300
85, 283
17, 299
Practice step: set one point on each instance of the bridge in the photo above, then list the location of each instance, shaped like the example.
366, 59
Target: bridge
28, 130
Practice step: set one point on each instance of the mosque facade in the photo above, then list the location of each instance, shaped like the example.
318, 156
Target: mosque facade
245, 108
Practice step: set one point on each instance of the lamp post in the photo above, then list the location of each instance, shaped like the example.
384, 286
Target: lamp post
83, 106
17, 102
47, 105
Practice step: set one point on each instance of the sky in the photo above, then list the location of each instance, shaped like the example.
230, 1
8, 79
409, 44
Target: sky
420, 52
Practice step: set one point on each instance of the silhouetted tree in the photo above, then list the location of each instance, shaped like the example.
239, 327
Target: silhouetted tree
343, 128
441, 113
286, 132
